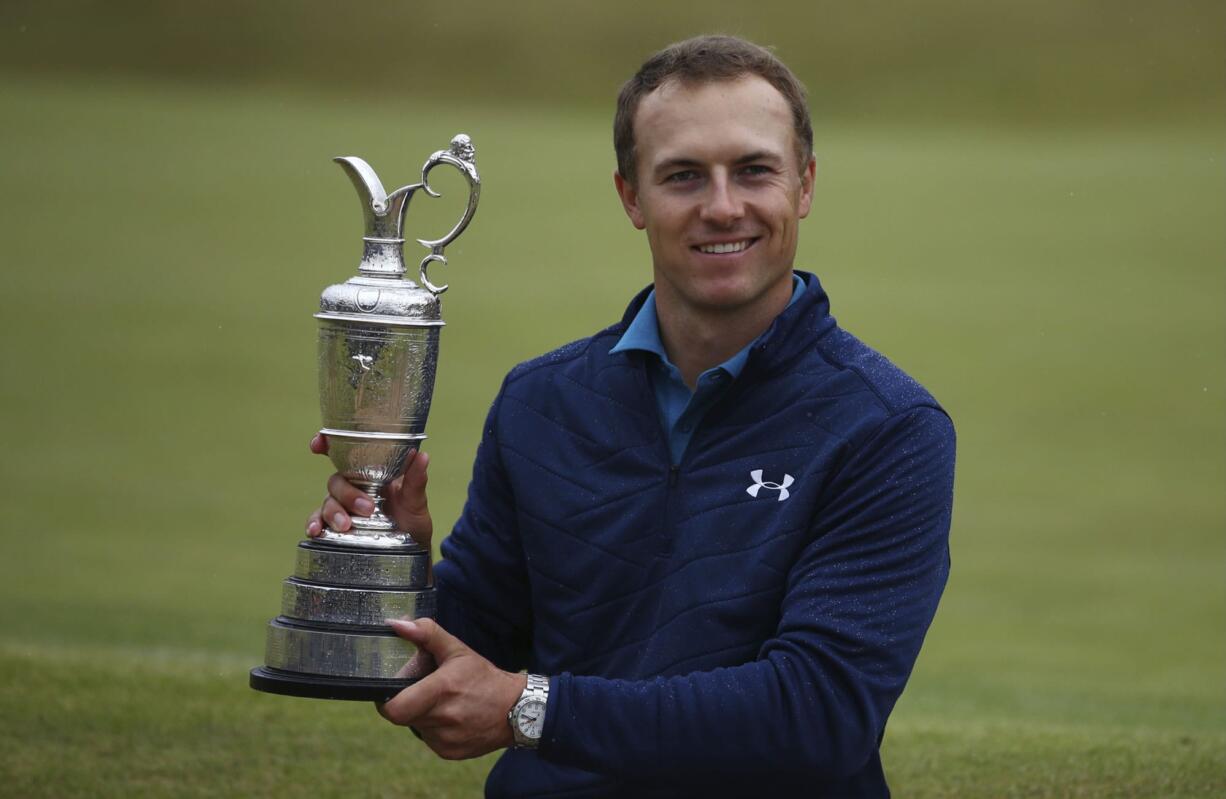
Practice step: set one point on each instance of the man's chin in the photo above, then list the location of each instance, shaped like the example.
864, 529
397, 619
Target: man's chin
725, 301
731, 295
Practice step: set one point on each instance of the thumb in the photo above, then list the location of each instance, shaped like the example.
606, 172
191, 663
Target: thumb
407, 496
428, 635
413, 484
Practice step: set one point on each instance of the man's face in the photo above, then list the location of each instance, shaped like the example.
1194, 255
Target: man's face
720, 192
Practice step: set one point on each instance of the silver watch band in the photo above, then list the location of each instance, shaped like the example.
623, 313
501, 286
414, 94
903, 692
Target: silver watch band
538, 686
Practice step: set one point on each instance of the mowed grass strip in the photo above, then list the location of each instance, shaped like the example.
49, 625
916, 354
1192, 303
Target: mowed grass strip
135, 722
932, 757
156, 723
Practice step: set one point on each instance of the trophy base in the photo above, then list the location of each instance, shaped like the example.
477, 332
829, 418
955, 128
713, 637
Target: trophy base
331, 640
313, 686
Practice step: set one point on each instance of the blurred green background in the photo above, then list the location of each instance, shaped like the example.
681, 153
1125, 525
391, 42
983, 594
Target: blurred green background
1021, 204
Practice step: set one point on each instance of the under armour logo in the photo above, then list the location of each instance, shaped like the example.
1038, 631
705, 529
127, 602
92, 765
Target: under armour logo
759, 484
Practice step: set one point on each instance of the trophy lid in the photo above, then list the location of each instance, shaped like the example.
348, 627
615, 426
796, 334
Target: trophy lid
380, 293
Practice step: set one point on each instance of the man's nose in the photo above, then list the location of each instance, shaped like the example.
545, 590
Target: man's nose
722, 206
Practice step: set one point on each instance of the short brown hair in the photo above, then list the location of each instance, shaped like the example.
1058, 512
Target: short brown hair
706, 59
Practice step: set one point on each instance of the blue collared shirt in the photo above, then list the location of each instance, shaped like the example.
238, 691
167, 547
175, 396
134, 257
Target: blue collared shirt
681, 409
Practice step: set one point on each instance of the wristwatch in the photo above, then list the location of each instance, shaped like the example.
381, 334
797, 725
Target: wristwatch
527, 717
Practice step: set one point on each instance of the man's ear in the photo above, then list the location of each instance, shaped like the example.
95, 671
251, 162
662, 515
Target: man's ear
629, 196
807, 177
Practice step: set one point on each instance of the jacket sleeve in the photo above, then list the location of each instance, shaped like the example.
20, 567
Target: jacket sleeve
481, 581
857, 604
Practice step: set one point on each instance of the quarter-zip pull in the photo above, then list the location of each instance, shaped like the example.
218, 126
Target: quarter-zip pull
672, 475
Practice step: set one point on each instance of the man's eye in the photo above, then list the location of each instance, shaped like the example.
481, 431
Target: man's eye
754, 170
683, 176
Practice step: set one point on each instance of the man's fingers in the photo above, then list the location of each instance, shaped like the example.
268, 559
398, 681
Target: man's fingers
315, 522
430, 636
410, 704
342, 501
351, 498
334, 515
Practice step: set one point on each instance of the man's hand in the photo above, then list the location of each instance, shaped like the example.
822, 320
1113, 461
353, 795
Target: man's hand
460, 710
406, 499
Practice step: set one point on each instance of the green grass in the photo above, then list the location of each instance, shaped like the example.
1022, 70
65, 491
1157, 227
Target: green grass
1059, 290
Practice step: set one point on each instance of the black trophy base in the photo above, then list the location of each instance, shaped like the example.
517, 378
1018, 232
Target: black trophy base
313, 686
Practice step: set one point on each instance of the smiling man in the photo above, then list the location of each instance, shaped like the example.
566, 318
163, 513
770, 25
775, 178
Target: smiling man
720, 181
713, 534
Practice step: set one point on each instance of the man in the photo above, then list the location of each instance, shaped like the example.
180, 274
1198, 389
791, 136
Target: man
714, 533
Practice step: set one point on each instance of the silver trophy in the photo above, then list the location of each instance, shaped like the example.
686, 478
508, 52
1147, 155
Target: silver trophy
378, 352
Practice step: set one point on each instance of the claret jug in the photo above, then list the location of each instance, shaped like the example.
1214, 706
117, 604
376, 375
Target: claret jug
378, 354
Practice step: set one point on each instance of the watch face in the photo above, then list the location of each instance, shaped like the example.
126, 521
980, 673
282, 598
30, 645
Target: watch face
531, 719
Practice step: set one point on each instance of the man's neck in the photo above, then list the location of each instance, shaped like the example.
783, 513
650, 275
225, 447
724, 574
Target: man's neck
697, 340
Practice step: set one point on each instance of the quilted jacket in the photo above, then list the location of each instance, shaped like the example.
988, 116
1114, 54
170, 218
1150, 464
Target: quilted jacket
739, 623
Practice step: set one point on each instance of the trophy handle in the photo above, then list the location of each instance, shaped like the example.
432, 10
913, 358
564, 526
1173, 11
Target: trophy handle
463, 156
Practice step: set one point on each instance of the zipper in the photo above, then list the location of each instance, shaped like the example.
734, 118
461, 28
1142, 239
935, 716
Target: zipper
664, 547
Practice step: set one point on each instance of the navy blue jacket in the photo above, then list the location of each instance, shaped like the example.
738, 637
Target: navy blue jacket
740, 623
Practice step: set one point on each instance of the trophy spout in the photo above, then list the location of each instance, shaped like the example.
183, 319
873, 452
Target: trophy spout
383, 218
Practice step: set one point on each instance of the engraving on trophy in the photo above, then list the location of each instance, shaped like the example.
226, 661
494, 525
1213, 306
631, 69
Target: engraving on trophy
377, 382
344, 605
407, 570
377, 358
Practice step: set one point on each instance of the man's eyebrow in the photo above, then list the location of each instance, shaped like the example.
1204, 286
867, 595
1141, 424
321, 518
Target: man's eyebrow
679, 162
758, 155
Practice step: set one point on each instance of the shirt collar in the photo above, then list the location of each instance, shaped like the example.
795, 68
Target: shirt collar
643, 333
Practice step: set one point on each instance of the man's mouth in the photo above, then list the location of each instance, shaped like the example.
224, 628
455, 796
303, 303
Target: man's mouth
725, 247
